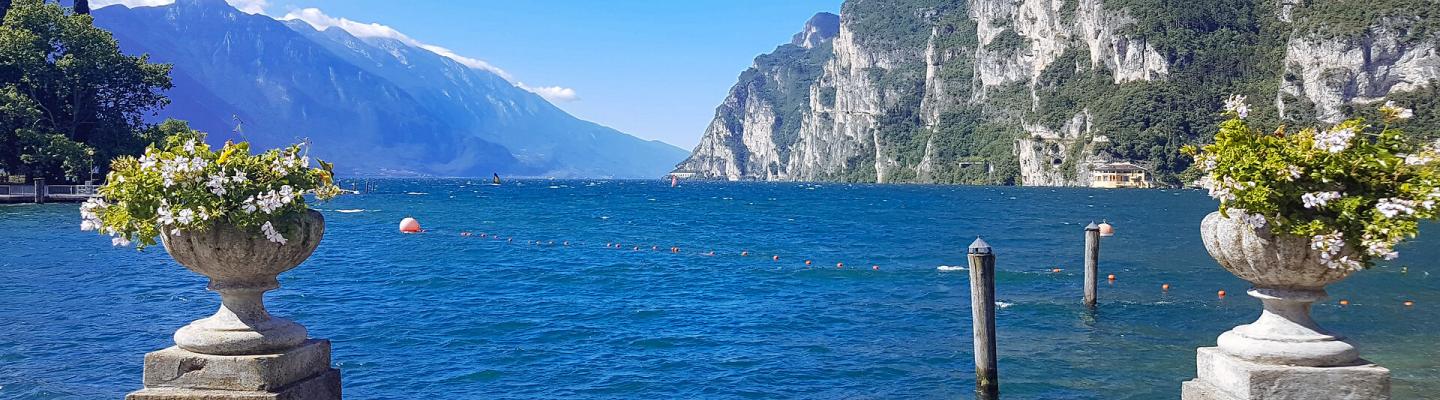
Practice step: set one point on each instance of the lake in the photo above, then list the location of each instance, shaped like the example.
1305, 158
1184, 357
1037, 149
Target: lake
442, 315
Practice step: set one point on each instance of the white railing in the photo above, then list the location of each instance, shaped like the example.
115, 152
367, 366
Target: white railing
69, 190
17, 190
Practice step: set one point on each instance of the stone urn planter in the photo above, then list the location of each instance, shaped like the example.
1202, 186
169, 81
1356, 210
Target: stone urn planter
1287, 276
242, 265
1283, 355
242, 352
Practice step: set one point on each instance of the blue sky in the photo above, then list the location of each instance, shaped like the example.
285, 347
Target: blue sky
651, 68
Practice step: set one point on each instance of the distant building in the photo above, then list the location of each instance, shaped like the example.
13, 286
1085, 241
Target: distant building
1119, 175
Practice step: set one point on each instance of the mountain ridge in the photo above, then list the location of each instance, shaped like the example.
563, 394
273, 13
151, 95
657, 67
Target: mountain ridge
375, 106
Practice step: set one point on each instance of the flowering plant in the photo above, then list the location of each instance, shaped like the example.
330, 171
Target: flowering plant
1355, 190
184, 186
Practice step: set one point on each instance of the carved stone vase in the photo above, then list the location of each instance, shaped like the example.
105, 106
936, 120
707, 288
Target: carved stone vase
242, 352
242, 265
1284, 354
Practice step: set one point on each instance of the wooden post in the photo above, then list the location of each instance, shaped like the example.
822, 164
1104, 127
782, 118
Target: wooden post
982, 312
39, 190
1092, 262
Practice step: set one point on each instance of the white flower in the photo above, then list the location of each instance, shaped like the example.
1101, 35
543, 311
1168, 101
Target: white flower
185, 216
271, 234
1236, 104
90, 214
239, 177
147, 162
164, 216
190, 146
1390, 109
1318, 199
1330, 246
217, 184
1334, 140
119, 241
1256, 221
1225, 190
1293, 172
1391, 207
1380, 248
1417, 159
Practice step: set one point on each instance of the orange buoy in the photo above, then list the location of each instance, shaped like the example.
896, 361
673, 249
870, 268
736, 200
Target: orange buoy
839, 265
1344, 302
409, 225
807, 262
1056, 270
744, 253
1220, 294
775, 258
1106, 229
1409, 303
1165, 287
1111, 277
875, 267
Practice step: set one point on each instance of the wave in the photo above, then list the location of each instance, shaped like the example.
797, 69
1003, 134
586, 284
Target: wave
947, 268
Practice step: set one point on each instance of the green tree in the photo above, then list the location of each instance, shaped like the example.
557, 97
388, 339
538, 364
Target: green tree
69, 93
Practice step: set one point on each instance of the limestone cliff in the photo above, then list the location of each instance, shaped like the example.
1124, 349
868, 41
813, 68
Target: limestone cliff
1036, 92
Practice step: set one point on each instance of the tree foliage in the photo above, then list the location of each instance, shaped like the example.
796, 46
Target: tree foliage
69, 99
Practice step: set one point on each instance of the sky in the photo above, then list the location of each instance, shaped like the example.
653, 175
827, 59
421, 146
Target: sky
655, 69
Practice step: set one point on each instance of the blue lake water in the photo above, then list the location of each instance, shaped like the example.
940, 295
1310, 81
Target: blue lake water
441, 315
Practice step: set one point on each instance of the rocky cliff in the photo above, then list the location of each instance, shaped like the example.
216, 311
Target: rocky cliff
1037, 92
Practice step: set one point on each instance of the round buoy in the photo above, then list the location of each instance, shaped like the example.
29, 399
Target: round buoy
1106, 229
409, 225
637, 248
1056, 270
711, 253
1220, 294
807, 262
744, 253
652, 248
1409, 303
1165, 287
839, 265
464, 233
875, 267
567, 243
1344, 302
775, 258
1111, 277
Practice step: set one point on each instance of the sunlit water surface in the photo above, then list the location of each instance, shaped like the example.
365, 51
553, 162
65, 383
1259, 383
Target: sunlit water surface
445, 316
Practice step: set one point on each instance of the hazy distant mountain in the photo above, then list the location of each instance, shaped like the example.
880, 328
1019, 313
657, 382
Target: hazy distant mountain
373, 105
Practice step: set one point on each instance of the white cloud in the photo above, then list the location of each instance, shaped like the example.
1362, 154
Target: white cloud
552, 93
467, 61
250, 6
321, 21
246, 6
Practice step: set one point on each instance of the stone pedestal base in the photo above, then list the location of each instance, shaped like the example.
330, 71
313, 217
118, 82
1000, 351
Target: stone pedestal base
1225, 377
300, 373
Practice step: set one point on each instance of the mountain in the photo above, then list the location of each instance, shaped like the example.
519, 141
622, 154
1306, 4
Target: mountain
1039, 92
374, 106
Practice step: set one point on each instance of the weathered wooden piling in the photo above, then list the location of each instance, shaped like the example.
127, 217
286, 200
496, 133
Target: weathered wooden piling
982, 311
1092, 262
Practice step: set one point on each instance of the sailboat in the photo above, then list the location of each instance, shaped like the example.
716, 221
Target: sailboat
674, 181
496, 180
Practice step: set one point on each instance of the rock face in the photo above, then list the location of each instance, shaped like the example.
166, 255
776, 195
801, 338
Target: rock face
1037, 92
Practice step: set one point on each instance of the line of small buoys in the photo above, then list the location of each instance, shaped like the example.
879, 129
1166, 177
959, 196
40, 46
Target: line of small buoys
410, 225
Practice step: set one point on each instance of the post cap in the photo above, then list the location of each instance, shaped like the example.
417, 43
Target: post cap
979, 246
1092, 226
